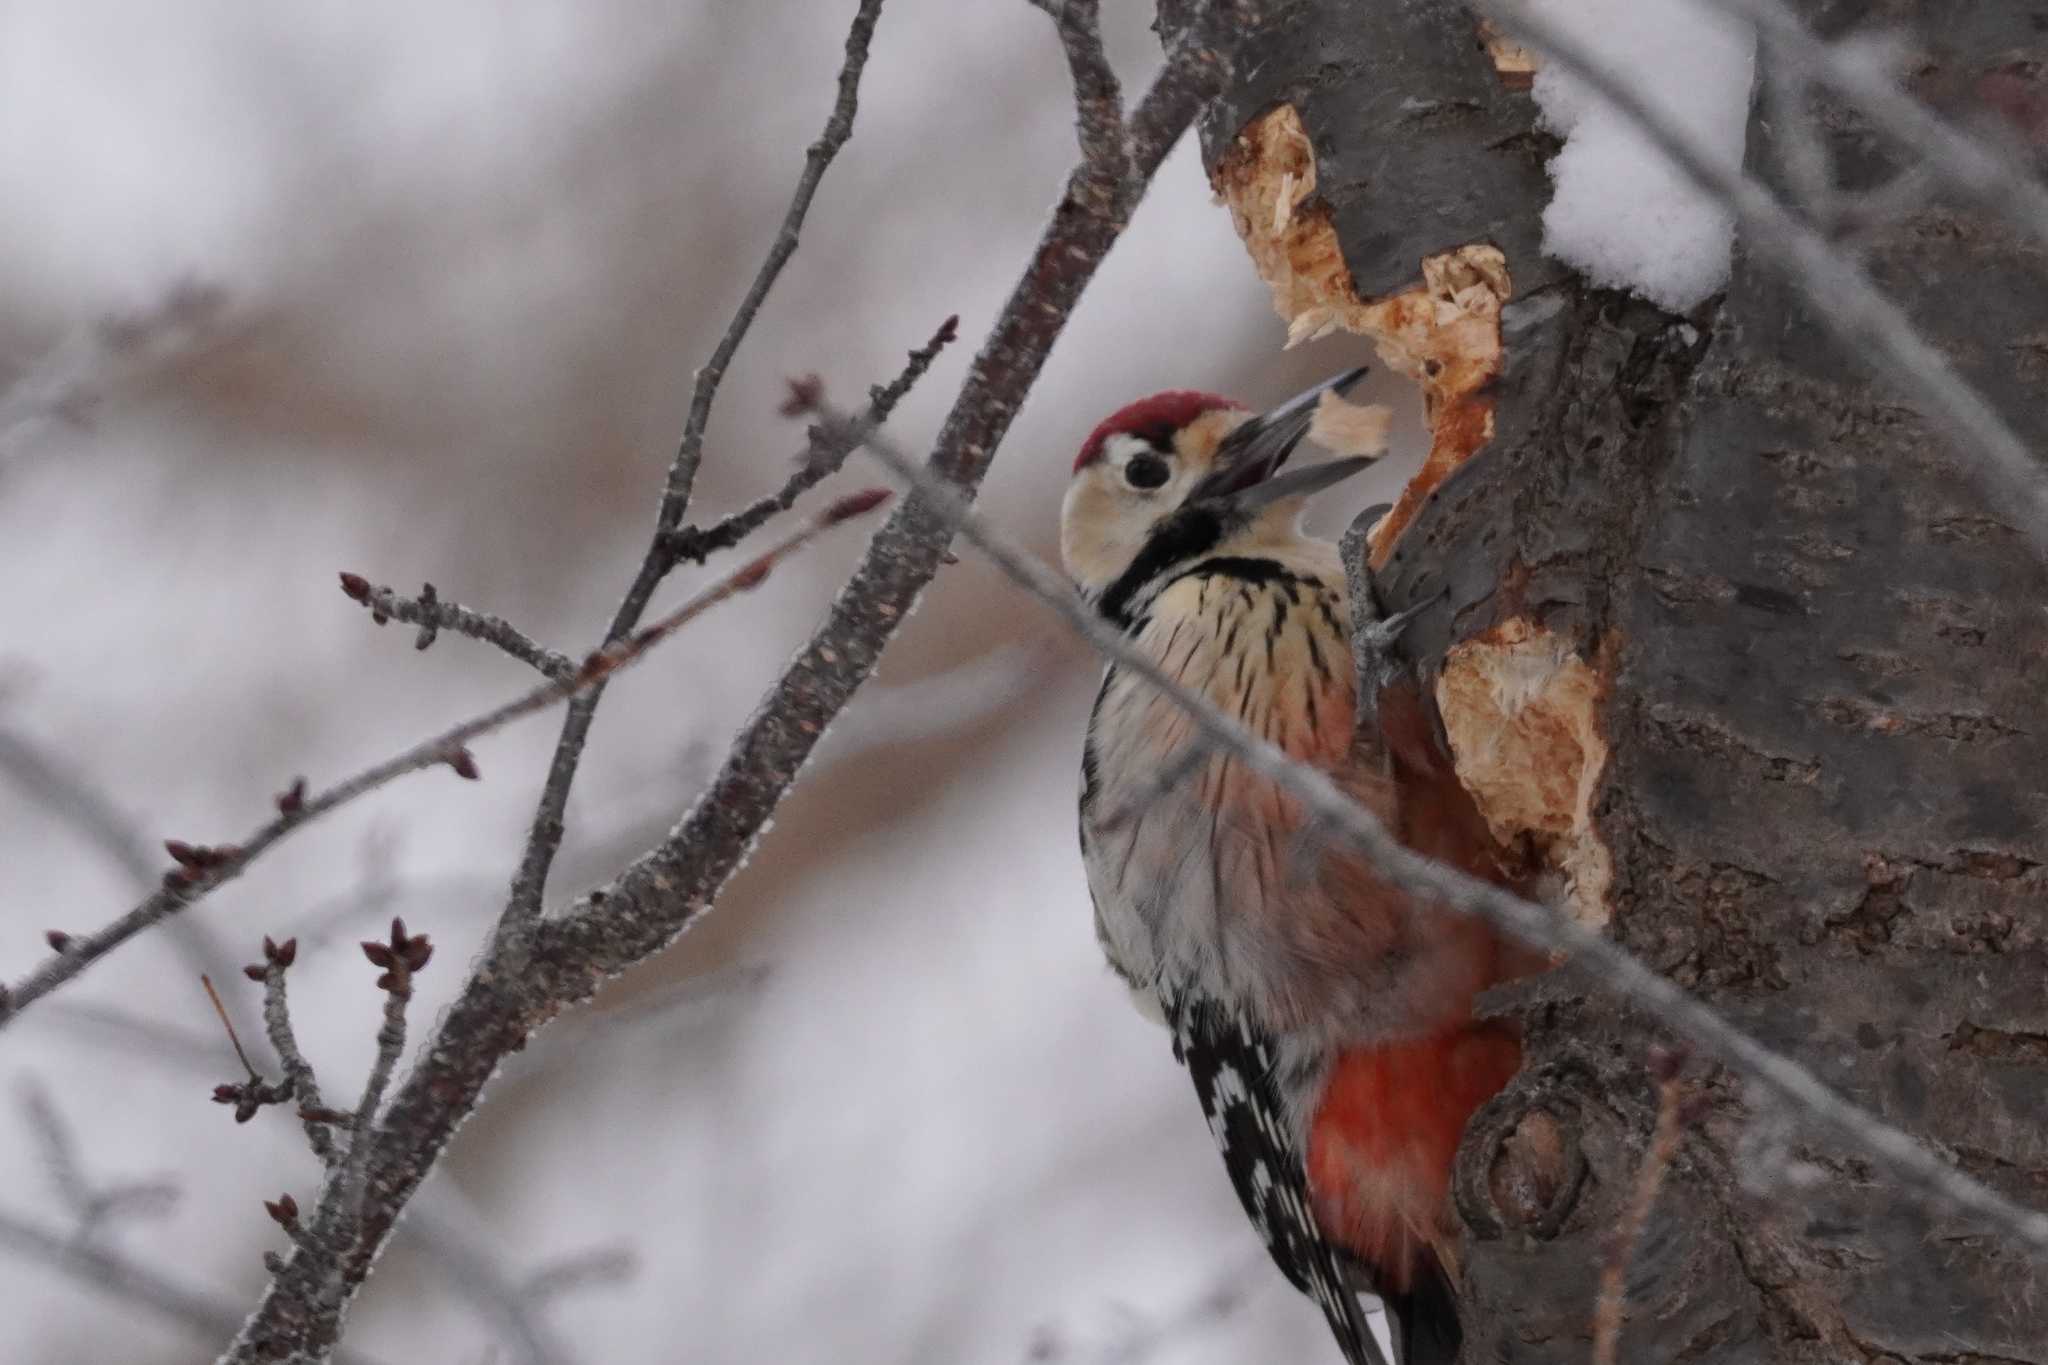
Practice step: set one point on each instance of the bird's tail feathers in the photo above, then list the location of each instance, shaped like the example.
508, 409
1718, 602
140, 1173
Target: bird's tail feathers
1425, 1319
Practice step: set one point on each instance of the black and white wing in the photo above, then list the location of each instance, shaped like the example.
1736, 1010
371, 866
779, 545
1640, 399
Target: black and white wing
1233, 1070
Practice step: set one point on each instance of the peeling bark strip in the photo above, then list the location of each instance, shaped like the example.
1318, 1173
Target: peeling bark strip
1378, 168
1725, 610
1443, 333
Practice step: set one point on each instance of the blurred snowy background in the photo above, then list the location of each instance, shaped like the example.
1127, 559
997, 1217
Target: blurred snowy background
416, 290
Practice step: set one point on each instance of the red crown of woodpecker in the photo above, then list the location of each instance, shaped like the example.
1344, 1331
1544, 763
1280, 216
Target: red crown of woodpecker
1151, 419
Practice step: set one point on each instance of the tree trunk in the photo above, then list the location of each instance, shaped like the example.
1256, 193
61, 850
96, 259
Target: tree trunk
1734, 645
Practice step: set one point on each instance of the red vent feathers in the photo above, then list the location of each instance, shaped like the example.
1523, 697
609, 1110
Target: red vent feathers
1152, 419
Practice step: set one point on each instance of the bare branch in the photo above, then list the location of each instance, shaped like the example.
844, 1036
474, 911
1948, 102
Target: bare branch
442, 1221
229, 1024
838, 128
251, 1095
544, 835
202, 871
1841, 292
1602, 960
398, 957
1098, 99
298, 1072
524, 981
432, 615
1609, 1310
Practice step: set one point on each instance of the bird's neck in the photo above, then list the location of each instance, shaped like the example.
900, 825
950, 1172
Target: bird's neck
1197, 535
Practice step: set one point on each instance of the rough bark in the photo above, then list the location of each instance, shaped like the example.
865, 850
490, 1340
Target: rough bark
1781, 729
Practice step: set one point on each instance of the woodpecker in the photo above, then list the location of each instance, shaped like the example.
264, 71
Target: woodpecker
1324, 1016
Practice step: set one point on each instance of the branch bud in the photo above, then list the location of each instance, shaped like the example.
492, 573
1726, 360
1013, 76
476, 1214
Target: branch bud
854, 505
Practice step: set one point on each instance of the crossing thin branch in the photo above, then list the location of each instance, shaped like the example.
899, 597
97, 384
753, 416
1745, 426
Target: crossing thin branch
1603, 961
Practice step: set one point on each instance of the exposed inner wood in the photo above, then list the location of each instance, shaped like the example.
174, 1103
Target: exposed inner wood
1343, 427
1522, 711
1519, 704
1444, 332
1515, 63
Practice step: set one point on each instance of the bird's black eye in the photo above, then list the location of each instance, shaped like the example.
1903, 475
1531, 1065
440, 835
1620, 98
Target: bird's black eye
1146, 471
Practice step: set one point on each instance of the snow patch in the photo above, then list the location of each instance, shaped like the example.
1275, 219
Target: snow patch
1622, 215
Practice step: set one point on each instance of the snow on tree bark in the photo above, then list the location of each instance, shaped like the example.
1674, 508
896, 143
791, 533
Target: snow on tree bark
1770, 668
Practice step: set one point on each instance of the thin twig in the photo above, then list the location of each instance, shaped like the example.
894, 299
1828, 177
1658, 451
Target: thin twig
820, 460
819, 156
229, 1025
544, 835
59, 789
1841, 292
251, 1095
450, 747
390, 1047
445, 1226
1598, 957
432, 614
1613, 1300
277, 1022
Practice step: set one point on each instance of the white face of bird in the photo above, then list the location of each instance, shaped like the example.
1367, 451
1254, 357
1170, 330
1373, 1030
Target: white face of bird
1187, 450
1136, 479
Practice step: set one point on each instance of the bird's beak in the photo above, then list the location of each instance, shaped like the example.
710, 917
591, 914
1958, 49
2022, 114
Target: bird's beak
1251, 455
